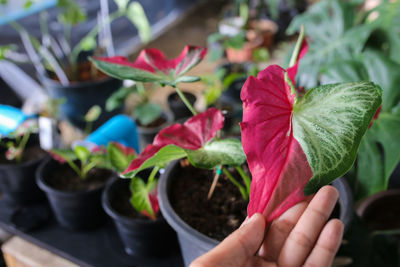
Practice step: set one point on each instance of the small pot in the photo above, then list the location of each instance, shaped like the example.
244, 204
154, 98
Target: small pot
381, 211
73, 210
178, 108
81, 96
17, 181
147, 134
246, 52
140, 236
193, 243
267, 29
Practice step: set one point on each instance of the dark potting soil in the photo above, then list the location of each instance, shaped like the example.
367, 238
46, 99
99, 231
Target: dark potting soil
217, 217
158, 122
121, 203
30, 154
64, 178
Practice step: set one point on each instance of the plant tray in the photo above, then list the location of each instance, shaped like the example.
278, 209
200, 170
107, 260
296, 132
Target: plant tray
97, 247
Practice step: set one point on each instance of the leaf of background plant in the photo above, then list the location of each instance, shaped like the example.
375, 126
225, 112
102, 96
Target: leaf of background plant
147, 113
157, 157
218, 152
71, 13
93, 113
122, 4
117, 99
88, 43
63, 155
333, 34
375, 165
82, 153
137, 16
140, 197
119, 157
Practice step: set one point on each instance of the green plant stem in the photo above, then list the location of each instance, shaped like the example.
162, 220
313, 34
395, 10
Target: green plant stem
75, 168
78, 47
245, 178
153, 174
185, 101
296, 50
236, 183
86, 168
22, 146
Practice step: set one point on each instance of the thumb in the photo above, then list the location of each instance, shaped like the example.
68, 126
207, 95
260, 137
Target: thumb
238, 248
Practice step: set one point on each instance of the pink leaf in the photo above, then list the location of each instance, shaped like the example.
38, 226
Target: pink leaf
153, 197
153, 60
278, 164
193, 134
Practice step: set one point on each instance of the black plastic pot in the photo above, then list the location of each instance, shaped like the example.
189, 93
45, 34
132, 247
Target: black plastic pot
193, 243
147, 134
140, 236
73, 210
17, 181
177, 107
82, 96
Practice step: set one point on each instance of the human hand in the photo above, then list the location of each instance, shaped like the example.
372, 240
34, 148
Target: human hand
300, 237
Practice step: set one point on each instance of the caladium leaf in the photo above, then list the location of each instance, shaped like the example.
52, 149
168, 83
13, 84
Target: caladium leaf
63, 155
120, 156
289, 144
153, 66
147, 113
142, 200
193, 140
218, 152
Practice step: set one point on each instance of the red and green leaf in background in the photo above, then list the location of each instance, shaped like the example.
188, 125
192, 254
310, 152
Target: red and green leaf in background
295, 147
153, 66
193, 139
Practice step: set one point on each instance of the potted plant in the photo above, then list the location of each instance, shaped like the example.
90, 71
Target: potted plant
62, 66
20, 157
149, 116
133, 206
73, 181
195, 138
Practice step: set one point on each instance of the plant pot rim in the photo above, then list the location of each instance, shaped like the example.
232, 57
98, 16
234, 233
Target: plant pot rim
105, 201
374, 198
73, 85
172, 218
170, 95
23, 164
48, 189
145, 130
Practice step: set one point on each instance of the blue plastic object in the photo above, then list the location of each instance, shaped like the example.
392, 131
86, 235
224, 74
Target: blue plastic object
120, 128
11, 118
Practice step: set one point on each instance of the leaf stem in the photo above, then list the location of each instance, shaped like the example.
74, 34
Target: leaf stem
235, 182
296, 50
153, 174
214, 182
185, 101
22, 145
245, 178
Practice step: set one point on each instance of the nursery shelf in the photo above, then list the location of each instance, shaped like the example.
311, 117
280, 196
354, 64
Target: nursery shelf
97, 247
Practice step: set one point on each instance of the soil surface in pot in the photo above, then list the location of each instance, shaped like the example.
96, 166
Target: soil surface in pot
121, 203
217, 217
158, 122
65, 179
30, 154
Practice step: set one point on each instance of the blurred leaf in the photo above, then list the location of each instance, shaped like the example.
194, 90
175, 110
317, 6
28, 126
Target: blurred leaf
71, 13
93, 113
237, 41
82, 153
261, 54
122, 4
147, 113
120, 156
88, 43
140, 197
117, 99
137, 16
